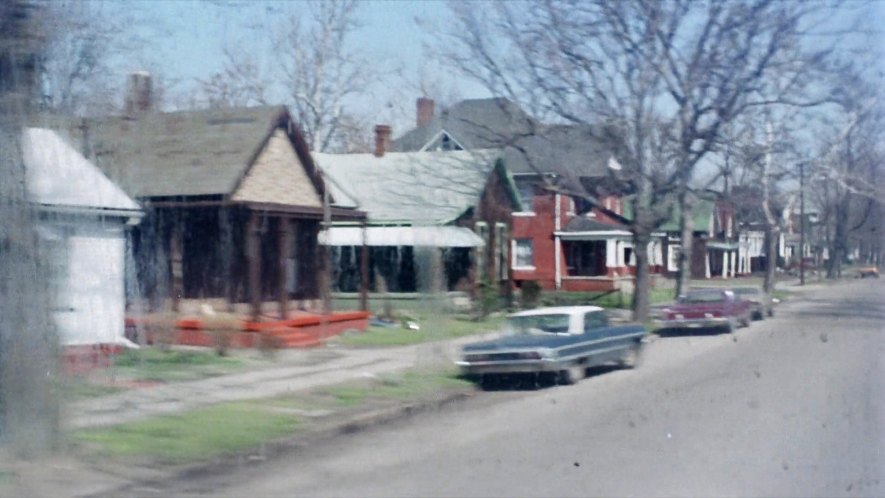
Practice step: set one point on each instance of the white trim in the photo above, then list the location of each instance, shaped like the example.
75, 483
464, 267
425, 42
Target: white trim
523, 214
524, 268
437, 137
557, 243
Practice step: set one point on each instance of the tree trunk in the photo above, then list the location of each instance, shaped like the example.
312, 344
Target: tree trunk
641, 301
29, 408
686, 234
772, 234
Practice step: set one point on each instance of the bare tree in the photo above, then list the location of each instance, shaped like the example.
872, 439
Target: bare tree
241, 82
320, 68
667, 75
76, 71
850, 163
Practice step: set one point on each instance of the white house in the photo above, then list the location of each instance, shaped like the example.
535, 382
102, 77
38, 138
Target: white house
83, 217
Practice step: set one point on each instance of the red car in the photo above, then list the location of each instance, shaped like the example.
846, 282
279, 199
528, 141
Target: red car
707, 309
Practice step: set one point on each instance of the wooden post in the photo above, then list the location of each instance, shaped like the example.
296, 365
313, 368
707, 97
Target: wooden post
284, 238
364, 269
253, 255
176, 256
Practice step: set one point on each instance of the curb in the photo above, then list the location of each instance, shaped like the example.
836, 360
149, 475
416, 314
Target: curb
278, 448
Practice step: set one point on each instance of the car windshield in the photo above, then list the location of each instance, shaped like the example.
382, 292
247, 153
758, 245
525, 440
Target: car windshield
533, 324
703, 296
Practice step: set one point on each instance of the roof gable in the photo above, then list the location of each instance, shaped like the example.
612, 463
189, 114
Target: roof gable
58, 175
278, 176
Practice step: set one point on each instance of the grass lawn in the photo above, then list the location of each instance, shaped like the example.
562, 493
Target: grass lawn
236, 427
198, 434
401, 386
153, 364
433, 328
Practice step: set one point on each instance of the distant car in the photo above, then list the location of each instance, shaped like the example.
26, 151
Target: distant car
707, 309
868, 271
761, 304
561, 340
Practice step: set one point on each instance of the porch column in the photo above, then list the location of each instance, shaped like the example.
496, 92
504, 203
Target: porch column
253, 256
364, 268
284, 241
176, 257
733, 258
611, 254
229, 267
557, 243
724, 263
557, 261
707, 265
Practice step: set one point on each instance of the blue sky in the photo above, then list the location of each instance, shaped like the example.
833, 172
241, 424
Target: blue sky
187, 36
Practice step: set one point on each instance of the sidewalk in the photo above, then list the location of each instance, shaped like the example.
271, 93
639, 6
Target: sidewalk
323, 368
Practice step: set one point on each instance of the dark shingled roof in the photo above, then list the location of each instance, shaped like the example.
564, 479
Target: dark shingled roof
475, 124
529, 147
187, 153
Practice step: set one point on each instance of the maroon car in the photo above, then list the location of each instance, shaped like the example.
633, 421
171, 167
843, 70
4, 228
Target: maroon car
707, 309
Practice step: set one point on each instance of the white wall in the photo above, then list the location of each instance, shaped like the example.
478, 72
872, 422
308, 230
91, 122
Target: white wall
91, 299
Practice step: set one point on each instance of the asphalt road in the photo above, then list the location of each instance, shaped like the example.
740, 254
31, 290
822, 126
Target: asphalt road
792, 406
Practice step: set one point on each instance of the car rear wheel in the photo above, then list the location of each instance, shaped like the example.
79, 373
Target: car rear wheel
632, 357
572, 375
731, 326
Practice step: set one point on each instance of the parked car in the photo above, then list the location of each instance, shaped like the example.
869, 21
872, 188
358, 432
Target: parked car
761, 304
563, 340
868, 271
707, 309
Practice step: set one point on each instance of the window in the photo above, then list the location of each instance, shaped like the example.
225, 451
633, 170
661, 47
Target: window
523, 254
526, 189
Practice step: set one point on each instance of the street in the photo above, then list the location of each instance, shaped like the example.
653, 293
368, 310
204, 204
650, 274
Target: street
791, 406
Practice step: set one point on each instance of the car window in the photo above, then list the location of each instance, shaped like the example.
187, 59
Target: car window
595, 320
532, 324
703, 296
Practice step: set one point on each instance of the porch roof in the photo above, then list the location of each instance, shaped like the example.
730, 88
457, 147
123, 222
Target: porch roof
583, 228
426, 236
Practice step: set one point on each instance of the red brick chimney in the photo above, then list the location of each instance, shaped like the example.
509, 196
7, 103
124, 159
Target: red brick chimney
139, 94
382, 139
425, 111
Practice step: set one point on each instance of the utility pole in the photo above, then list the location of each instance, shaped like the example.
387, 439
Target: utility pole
802, 223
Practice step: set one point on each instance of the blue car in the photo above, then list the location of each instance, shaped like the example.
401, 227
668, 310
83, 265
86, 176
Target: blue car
562, 340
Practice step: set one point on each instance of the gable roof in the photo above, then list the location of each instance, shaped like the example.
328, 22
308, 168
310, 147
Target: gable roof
409, 187
474, 124
59, 176
529, 147
185, 153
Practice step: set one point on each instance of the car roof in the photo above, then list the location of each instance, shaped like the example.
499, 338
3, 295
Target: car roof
561, 310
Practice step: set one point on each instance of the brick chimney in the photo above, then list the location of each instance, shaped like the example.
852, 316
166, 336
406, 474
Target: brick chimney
139, 94
425, 111
382, 139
